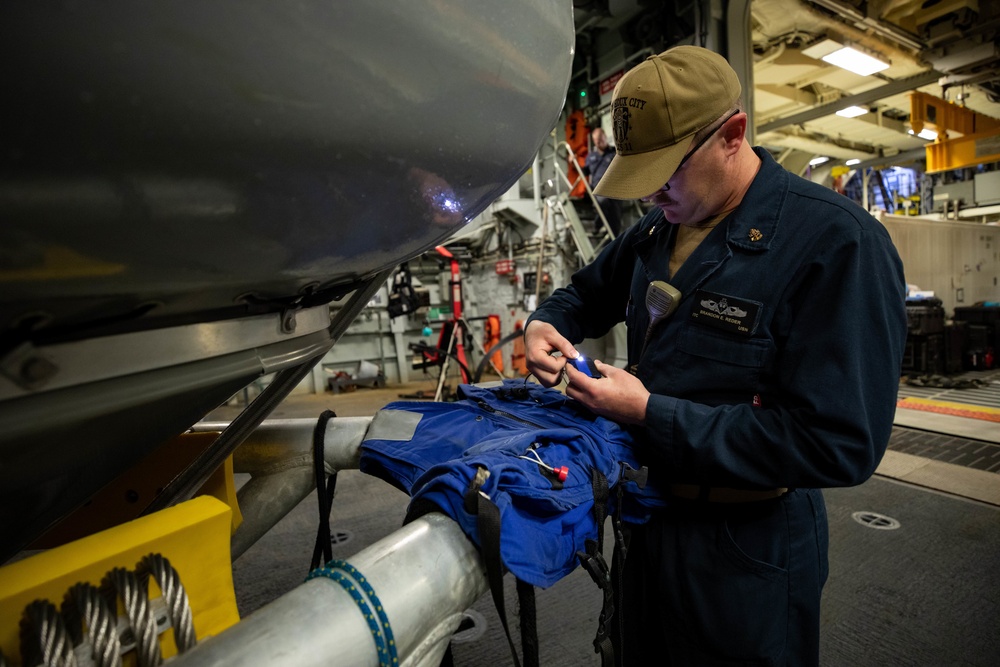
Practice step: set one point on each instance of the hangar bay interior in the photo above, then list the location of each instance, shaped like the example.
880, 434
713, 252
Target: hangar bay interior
222, 220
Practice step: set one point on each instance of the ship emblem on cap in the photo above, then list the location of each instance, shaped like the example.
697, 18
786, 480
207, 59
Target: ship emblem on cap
620, 126
755, 234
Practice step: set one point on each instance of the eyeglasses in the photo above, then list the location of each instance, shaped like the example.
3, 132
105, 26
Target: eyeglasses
666, 186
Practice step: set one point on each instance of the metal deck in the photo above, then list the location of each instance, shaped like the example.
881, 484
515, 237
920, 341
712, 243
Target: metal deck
923, 593
946, 448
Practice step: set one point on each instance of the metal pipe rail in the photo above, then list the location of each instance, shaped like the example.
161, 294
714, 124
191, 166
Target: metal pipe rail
425, 574
278, 457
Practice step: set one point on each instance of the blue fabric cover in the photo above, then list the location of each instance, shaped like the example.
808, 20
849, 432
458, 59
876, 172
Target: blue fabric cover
542, 527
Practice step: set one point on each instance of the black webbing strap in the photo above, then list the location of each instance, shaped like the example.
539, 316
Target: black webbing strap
529, 627
623, 535
488, 522
601, 494
325, 489
596, 566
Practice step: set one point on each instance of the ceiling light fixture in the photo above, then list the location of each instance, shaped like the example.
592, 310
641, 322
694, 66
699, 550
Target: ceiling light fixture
846, 57
818, 160
852, 112
852, 162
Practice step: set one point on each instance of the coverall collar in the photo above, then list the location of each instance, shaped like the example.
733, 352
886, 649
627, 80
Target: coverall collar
752, 226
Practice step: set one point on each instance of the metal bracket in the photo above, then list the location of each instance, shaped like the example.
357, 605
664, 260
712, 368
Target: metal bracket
288, 321
26, 367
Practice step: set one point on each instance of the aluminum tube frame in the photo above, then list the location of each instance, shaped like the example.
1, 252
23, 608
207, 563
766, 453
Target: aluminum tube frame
425, 574
278, 457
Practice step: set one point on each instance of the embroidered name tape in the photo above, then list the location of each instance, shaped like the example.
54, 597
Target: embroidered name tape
728, 313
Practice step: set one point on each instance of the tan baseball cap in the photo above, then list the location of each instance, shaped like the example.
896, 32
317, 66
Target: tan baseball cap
657, 108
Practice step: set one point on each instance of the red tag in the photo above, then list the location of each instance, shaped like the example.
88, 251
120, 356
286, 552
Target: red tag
607, 85
756, 400
505, 267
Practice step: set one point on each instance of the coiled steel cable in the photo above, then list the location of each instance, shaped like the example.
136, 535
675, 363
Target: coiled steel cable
44, 639
174, 596
49, 636
123, 583
86, 611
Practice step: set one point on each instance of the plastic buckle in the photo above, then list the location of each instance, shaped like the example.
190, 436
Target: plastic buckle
470, 502
597, 568
640, 476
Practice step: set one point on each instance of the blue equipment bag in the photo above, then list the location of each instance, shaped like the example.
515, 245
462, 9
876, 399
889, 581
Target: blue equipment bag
528, 474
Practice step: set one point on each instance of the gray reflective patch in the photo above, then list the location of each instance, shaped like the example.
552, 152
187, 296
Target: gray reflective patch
393, 425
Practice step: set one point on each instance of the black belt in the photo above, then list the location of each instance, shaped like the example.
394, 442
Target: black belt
721, 494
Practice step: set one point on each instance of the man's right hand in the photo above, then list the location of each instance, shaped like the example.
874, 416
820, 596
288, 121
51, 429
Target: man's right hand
541, 340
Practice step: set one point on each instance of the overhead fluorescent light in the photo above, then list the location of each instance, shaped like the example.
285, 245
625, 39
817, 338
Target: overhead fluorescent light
851, 163
823, 47
929, 135
818, 160
854, 61
846, 57
852, 112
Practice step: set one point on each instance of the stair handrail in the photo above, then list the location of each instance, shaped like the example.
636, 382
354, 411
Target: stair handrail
590, 192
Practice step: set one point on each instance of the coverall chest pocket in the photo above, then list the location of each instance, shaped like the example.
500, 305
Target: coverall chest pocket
735, 362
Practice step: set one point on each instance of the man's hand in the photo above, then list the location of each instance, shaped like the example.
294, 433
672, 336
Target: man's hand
540, 340
619, 395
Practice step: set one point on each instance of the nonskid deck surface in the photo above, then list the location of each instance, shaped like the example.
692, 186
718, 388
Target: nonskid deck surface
922, 593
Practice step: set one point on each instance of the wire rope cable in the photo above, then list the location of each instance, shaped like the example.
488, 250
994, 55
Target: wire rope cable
88, 617
122, 584
44, 639
87, 613
158, 568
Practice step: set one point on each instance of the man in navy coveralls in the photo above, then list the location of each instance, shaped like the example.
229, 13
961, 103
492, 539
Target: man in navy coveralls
776, 375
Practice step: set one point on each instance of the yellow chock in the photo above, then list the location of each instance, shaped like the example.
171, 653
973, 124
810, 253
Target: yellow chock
193, 536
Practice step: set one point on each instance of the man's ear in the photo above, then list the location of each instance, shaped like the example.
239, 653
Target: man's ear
734, 130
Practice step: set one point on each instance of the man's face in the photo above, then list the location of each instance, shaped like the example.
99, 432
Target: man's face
689, 199
694, 192
600, 140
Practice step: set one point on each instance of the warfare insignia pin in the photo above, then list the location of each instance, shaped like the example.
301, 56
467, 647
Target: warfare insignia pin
728, 313
755, 234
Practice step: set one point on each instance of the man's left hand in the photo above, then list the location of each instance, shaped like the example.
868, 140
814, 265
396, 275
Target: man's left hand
619, 395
